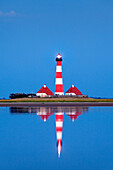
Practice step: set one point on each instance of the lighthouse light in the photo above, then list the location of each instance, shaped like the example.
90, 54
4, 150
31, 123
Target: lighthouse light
59, 56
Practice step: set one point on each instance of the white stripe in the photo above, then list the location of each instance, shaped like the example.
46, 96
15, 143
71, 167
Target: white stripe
73, 94
40, 113
59, 93
58, 69
71, 113
41, 94
59, 135
59, 124
59, 81
59, 113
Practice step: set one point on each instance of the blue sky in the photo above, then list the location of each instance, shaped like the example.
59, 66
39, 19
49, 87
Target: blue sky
33, 32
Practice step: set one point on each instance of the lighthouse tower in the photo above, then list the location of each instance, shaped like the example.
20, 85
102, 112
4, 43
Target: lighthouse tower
59, 126
59, 82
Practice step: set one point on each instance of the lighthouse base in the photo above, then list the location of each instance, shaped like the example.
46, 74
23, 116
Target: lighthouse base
59, 93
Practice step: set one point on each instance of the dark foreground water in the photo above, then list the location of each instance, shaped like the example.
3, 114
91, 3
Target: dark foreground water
79, 138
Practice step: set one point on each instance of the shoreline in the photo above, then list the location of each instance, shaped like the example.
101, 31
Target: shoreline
49, 104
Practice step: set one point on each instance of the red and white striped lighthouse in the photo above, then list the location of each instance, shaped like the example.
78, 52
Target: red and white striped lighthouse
59, 126
59, 81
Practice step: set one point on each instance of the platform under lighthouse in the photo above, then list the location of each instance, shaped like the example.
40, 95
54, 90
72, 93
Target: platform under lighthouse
59, 79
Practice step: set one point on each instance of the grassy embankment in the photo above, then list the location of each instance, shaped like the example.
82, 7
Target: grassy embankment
55, 100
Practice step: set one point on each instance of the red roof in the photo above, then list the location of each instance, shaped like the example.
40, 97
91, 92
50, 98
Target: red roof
46, 90
45, 117
73, 89
74, 116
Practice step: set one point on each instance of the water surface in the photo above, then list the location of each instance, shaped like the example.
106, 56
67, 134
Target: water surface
56, 138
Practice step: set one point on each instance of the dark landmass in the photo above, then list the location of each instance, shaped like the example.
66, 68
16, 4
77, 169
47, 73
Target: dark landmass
56, 102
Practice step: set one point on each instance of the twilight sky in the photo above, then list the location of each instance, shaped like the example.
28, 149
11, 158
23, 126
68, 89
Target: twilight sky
32, 32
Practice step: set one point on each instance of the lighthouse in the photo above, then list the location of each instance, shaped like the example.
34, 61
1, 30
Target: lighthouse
59, 81
59, 126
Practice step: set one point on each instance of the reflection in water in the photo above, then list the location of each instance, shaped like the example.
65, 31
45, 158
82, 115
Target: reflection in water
73, 115
46, 112
59, 126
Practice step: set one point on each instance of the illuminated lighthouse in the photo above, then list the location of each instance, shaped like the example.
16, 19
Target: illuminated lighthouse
59, 81
59, 126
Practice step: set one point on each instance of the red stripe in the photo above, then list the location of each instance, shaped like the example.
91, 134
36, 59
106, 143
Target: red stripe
58, 74
59, 118
59, 140
59, 129
59, 88
58, 63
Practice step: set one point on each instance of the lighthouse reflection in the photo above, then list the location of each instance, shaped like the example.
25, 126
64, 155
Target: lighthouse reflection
59, 127
46, 112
